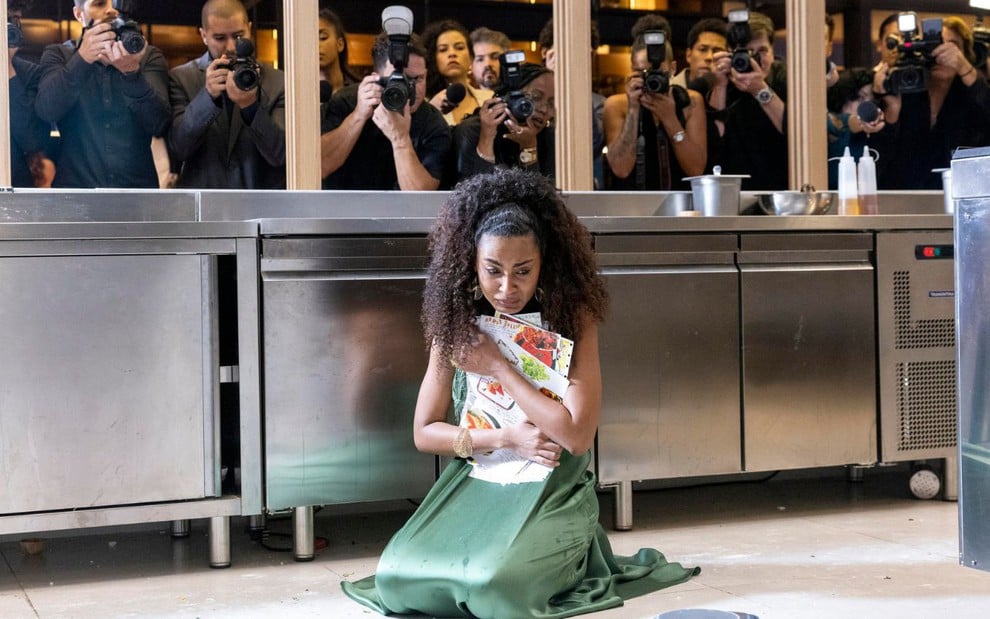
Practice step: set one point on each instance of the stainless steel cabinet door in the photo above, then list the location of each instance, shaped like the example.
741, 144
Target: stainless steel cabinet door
809, 365
670, 371
343, 360
106, 395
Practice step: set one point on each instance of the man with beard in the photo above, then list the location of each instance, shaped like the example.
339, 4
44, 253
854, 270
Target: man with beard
487, 45
366, 146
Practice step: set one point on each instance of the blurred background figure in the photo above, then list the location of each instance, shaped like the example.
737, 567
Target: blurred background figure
30, 165
705, 39
852, 88
334, 66
448, 70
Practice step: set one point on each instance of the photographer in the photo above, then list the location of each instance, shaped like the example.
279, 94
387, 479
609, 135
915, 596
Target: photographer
925, 126
108, 102
494, 135
365, 145
211, 111
750, 98
654, 150
29, 163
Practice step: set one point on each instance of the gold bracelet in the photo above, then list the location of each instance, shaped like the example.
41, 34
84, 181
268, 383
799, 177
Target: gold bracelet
463, 446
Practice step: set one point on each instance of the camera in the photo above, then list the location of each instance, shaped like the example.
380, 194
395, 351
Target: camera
656, 80
245, 70
129, 33
739, 37
912, 70
520, 105
15, 36
397, 89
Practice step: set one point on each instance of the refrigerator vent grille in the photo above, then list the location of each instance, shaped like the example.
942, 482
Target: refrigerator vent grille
927, 333
926, 404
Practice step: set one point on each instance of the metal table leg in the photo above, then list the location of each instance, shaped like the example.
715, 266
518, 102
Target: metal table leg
950, 480
180, 528
220, 541
302, 533
623, 506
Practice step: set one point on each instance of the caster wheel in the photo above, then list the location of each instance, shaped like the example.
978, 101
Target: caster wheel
925, 483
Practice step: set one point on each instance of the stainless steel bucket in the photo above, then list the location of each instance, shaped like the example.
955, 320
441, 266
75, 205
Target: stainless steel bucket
716, 194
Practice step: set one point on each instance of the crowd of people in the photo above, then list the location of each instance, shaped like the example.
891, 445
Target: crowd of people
473, 108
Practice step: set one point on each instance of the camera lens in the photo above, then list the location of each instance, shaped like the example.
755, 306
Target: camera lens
246, 77
521, 107
129, 34
395, 95
741, 61
656, 82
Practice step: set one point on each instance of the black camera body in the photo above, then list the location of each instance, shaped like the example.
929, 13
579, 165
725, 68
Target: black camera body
510, 86
129, 33
739, 36
655, 79
397, 89
912, 71
15, 36
245, 70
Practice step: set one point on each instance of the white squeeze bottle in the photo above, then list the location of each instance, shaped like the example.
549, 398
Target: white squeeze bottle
848, 197
867, 173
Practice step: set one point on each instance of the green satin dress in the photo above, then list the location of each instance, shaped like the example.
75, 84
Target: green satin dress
478, 549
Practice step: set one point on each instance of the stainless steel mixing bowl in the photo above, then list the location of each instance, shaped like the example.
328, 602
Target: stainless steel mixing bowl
796, 202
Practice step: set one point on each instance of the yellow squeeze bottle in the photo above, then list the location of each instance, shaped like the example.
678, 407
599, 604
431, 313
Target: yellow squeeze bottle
848, 195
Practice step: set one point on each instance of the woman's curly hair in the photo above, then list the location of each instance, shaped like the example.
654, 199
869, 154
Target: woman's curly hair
435, 81
573, 290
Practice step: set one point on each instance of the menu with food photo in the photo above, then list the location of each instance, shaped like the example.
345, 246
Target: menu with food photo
538, 355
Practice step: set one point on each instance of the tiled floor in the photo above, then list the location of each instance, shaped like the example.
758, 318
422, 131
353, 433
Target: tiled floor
791, 547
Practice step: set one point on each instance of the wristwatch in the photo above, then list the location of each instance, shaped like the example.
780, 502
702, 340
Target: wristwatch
678, 137
764, 95
527, 156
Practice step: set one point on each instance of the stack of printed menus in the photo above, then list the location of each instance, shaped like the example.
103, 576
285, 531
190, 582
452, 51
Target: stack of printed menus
543, 358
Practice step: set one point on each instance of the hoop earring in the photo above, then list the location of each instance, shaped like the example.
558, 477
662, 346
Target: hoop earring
476, 292
538, 295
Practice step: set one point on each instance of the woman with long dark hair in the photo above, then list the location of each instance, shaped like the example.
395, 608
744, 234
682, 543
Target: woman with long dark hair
504, 242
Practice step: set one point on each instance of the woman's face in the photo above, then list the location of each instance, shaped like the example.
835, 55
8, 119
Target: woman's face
330, 44
453, 57
540, 90
508, 270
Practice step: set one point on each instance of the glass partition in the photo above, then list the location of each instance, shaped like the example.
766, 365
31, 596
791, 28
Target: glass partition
174, 28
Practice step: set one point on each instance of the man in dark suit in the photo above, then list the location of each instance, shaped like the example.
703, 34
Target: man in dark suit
223, 135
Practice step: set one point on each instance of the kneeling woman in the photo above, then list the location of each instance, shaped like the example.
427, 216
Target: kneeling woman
505, 242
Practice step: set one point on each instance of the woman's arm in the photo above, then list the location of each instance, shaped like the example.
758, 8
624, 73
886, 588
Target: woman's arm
692, 152
433, 434
571, 424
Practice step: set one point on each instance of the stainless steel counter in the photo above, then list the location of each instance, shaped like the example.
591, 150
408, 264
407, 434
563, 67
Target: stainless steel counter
112, 378
325, 268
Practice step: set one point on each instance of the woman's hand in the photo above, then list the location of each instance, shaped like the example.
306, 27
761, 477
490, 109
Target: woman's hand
481, 356
662, 106
529, 442
523, 134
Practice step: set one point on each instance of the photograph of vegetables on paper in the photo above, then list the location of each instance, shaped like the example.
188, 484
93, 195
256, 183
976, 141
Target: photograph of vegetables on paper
543, 358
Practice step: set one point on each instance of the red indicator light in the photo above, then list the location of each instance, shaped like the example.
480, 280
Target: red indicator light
929, 252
